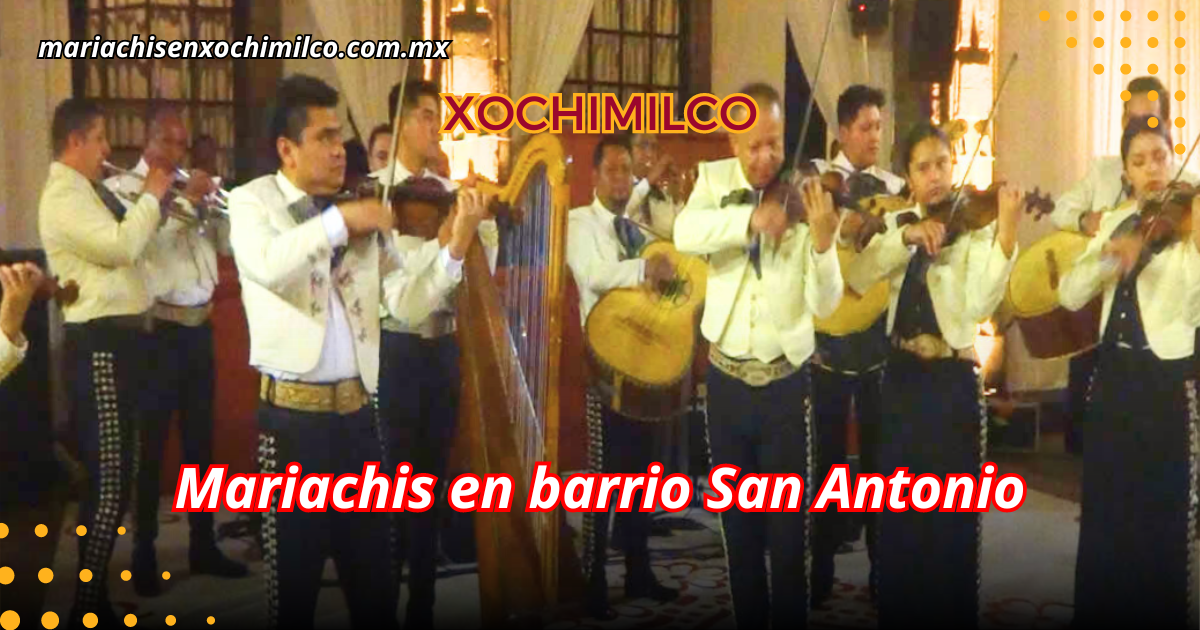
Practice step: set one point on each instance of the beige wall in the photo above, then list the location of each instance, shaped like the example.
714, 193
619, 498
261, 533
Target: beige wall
749, 44
297, 19
36, 86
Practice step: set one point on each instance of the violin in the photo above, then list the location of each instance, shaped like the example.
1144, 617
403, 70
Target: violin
968, 209
1167, 217
863, 194
50, 289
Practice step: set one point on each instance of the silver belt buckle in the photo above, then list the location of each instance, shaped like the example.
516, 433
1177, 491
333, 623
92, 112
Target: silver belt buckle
755, 376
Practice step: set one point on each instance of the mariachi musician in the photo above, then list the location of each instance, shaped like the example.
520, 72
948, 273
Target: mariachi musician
1136, 557
312, 266
180, 264
768, 277
1104, 187
850, 367
933, 414
419, 383
91, 238
603, 247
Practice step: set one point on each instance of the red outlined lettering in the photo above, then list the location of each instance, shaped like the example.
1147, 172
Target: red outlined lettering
669, 124
486, 122
558, 113
692, 117
624, 117
459, 110
524, 123
751, 113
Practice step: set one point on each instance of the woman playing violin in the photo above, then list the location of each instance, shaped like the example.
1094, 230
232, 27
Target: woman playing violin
1135, 555
933, 415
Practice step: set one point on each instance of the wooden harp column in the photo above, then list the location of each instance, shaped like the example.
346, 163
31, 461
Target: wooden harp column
510, 335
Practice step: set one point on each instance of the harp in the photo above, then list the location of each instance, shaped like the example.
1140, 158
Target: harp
510, 335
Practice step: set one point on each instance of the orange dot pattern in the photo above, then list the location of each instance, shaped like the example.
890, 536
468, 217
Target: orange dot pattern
1098, 68
1044, 16
1098, 16
1179, 42
1098, 42
1180, 122
1153, 122
1153, 15
1125, 95
1125, 15
1125, 69
1126, 42
1179, 149
1071, 41
1179, 96
1152, 95
1179, 15
1152, 68
1180, 68
1071, 15
1152, 42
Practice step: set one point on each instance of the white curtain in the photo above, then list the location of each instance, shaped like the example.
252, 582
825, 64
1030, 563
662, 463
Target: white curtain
1057, 114
847, 60
546, 39
364, 83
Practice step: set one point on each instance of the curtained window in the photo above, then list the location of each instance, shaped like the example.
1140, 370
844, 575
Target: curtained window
631, 46
129, 89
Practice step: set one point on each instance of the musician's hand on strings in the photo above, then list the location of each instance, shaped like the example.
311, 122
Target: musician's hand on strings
1010, 200
926, 233
1090, 223
852, 224
20, 282
1125, 251
363, 216
659, 270
822, 218
199, 186
472, 209
769, 219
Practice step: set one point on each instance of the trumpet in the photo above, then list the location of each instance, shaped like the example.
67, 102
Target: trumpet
214, 205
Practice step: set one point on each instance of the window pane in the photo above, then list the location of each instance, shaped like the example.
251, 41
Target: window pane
666, 17
604, 57
636, 59
607, 14
637, 15
666, 61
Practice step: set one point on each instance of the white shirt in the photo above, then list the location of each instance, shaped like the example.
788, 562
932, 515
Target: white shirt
842, 164
86, 243
966, 281
1101, 189
1168, 288
661, 212
12, 352
596, 256
180, 263
338, 361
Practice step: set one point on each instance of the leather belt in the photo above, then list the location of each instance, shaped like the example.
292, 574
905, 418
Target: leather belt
931, 347
436, 325
142, 322
752, 372
342, 398
190, 316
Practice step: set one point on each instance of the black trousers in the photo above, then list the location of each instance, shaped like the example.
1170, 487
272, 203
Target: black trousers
619, 444
928, 563
1136, 550
108, 366
765, 430
418, 405
297, 543
182, 365
1079, 383
833, 393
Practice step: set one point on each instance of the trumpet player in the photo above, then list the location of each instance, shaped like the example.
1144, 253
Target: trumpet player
180, 268
92, 238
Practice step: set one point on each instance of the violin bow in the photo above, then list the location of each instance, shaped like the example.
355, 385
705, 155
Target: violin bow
812, 99
395, 150
978, 145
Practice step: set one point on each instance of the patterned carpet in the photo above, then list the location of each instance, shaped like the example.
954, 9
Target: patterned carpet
1028, 565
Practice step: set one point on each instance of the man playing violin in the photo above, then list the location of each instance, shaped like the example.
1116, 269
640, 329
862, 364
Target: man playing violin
769, 275
311, 268
849, 368
933, 417
603, 252
91, 238
1136, 558
418, 397
180, 265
